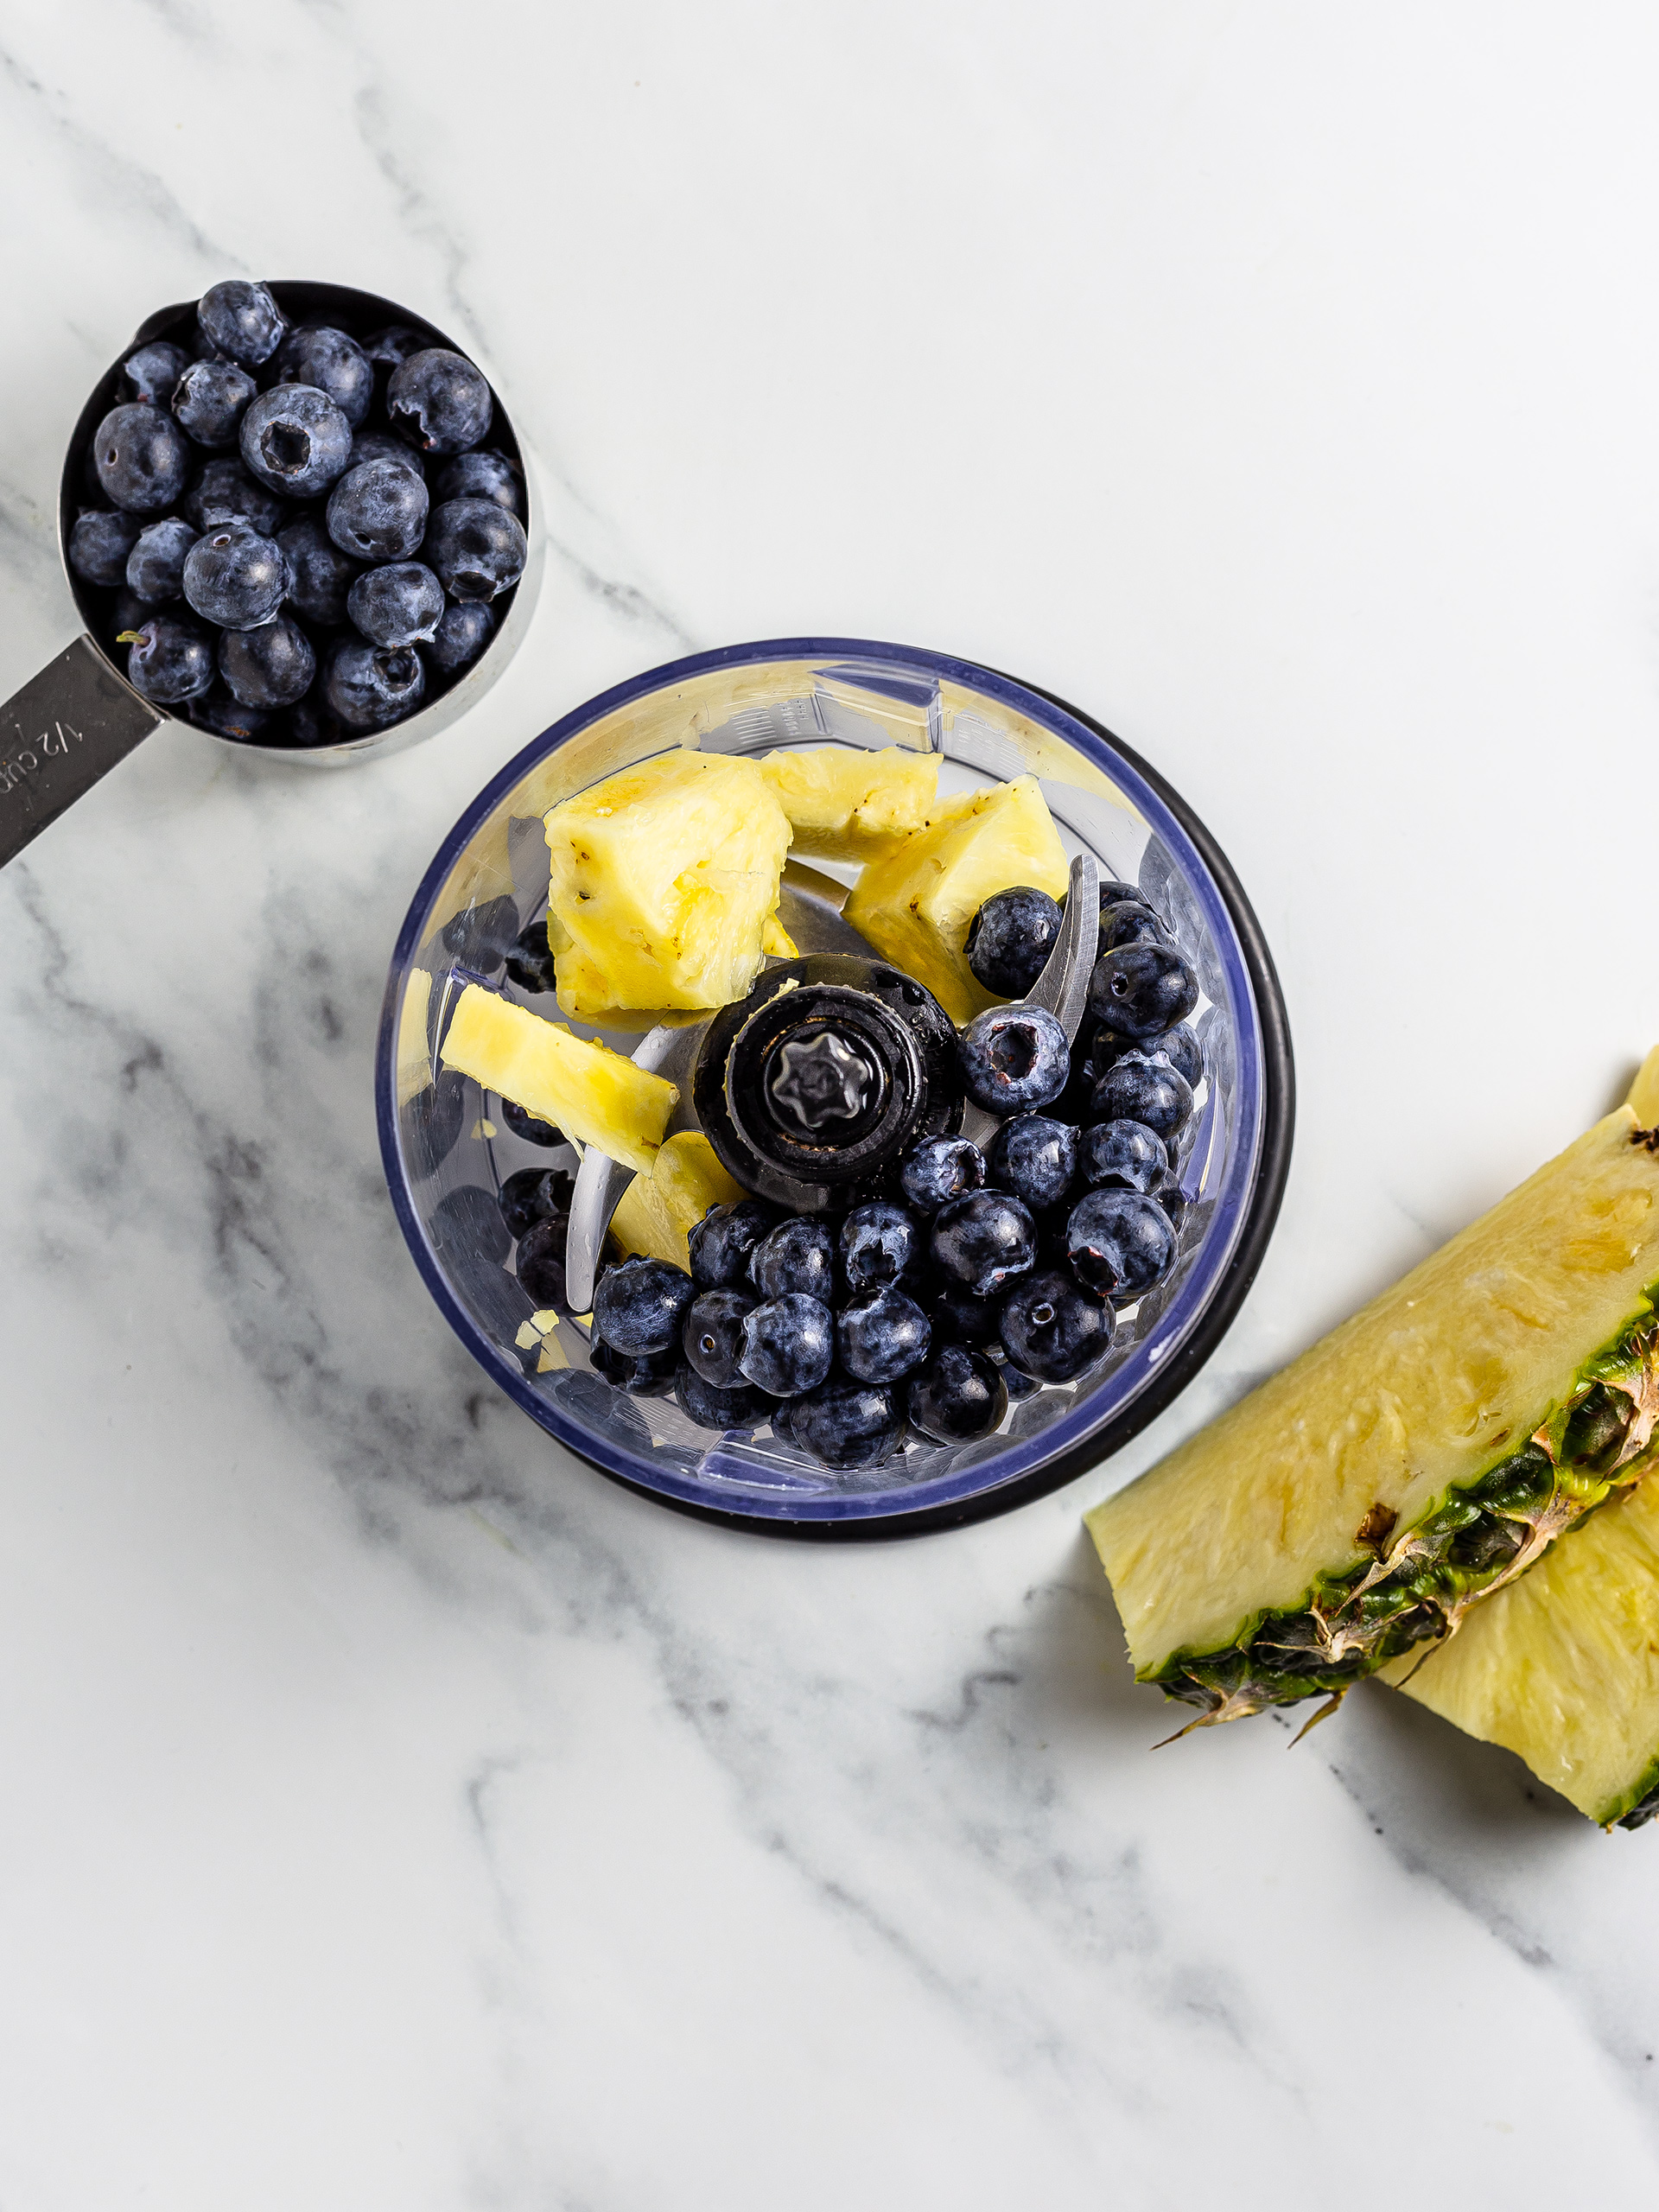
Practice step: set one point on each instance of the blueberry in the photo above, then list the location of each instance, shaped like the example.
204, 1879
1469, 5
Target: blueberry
465, 1221
539, 1263
296, 440
959, 1318
1171, 1197
429, 1122
739, 1406
1132, 922
156, 565
1010, 938
1053, 1331
226, 718
983, 1241
479, 934
711, 1336
1138, 990
388, 347
225, 491
235, 577
1113, 893
460, 637
483, 476
370, 690
847, 1424
398, 604
378, 512
649, 1376
1137, 1089
310, 723
154, 369
438, 401
210, 401
330, 360
795, 1258
878, 1242
1179, 1046
269, 667
1122, 1156
535, 1194
170, 661
477, 548
1119, 1242
241, 321
940, 1169
1035, 1158
1013, 1057
882, 1335
959, 1395
321, 574
724, 1241
788, 1344
530, 963
101, 543
143, 458
380, 445
1017, 1382
638, 1306
128, 612
529, 1126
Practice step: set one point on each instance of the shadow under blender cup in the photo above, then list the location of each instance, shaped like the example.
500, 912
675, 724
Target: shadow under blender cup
80, 717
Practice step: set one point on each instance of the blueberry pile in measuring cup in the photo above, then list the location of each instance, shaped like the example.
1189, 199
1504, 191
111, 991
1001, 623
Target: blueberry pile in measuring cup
305, 537
969, 1277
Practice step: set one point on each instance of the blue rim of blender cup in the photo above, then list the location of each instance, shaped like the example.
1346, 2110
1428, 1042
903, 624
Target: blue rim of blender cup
1188, 1330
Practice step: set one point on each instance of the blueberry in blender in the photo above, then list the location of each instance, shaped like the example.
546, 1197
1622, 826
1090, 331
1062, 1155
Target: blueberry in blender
1034, 1157
320, 575
378, 512
1179, 1046
795, 1257
959, 1318
723, 1243
639, 1308
1122, 1156
529, 962
1137, 1089
477, 548
534, 1194
467, 1221
539, 1263
460, 637
878, 1242
940, 1169
370, 689
168, 660
1140, 990
269, 667
1119, 1242
846, 1425
430, 1121
711, 1338
154, 570
529, 1126
438, 401
1010, 938
958, 1396
143, 458
650, 1375
1011, 1059
483, 476
241, 321
235, 577
983, 1241
1052, 1331
398, 604
328, 359
882, 1335
737, 1405
788, 1344
101, 543
295, 441
1132, 922
1017, 1382
211, 399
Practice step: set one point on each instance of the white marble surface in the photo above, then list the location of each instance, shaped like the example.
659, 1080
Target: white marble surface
394, 1814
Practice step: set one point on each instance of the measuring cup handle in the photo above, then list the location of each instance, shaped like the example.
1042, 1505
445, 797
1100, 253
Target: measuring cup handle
67, 727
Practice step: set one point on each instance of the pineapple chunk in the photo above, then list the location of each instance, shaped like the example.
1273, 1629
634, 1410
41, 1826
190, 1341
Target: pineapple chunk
916, 905
590, 1092
663, 879
659, 1210
847, 805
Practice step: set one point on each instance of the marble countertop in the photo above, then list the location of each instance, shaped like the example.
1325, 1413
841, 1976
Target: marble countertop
395, 1814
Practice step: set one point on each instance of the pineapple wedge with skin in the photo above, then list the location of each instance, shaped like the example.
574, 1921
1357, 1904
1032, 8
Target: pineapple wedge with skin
658, 1211
844, 804
1423, 1454
662, 881
590, 1092
915, 906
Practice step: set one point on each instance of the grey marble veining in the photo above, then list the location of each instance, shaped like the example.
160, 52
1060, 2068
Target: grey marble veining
396, 1814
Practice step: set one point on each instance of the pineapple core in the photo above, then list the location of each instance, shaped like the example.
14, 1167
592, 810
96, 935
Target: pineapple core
590, 1092
916, 906
663, 879
847, 805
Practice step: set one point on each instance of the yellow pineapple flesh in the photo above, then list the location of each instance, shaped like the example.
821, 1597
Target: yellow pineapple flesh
663, 879
592, 1094
845, 803
659, 1210
915, 906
